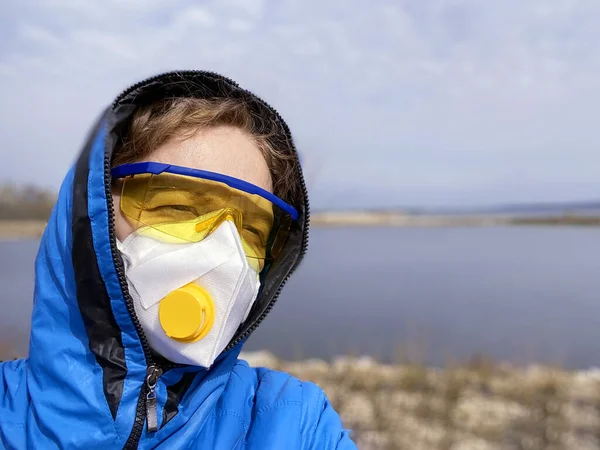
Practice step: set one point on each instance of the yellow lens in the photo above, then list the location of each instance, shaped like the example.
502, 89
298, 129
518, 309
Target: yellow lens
181, 209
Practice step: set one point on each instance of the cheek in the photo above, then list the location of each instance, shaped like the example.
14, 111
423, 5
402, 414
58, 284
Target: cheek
122, 227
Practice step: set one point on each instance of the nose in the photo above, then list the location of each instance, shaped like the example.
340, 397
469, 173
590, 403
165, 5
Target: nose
212, 224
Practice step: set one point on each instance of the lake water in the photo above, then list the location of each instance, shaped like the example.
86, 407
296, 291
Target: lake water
517, 294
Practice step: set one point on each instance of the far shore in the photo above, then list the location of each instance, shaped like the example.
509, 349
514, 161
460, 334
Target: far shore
32, 229
21, 229
394, 219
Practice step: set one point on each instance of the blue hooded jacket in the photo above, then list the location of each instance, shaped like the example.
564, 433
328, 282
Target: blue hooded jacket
85, 383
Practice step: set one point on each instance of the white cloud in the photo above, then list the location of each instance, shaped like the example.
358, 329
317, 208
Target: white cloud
100, 45
508, 89
254, 8
241, 25
197, 16
38, 35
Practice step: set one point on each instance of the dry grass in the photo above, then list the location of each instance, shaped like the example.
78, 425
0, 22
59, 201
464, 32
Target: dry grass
471, 406
474, 406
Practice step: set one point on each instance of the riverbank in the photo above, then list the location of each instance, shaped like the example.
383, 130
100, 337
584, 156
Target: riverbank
477, 406
21, 229
396, 219
31, 229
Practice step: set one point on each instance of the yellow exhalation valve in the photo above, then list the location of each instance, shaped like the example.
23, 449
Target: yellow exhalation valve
187, 314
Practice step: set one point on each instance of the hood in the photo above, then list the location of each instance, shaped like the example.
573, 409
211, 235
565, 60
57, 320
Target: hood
88, 351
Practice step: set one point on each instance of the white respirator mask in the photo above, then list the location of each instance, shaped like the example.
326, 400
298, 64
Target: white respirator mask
190, 298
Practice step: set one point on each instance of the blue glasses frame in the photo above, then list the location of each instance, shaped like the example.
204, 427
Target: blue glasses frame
125, 170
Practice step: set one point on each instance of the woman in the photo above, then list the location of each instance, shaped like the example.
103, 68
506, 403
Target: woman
171, 240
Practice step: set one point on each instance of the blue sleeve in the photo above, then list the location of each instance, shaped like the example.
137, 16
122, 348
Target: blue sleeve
321, 425
13, 404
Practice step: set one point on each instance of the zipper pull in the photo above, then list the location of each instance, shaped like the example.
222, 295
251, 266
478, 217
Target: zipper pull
152, 375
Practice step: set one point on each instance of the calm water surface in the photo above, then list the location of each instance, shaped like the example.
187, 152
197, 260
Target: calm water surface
519, 294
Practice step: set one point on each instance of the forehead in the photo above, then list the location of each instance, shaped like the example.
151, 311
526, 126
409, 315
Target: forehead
226, 150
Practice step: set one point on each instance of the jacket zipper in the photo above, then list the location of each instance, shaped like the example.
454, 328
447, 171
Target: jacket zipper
152, 375
147, 397
141, 409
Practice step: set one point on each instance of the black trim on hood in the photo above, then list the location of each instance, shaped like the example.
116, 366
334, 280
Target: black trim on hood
101, 326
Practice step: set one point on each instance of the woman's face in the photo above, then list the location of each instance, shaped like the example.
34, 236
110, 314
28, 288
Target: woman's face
224, 149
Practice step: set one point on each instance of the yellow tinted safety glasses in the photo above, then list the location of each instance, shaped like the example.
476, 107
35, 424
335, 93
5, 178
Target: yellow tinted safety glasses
182, 205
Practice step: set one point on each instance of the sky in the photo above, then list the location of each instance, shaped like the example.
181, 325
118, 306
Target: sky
392, 102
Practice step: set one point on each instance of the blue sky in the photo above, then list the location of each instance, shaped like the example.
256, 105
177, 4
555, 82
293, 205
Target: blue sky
399, 102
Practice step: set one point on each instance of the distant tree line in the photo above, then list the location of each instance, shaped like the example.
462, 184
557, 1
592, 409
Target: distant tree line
25, 203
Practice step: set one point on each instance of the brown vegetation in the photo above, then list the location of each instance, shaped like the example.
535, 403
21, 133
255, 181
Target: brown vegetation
565, 219
25, 203
471, 406
24, 211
